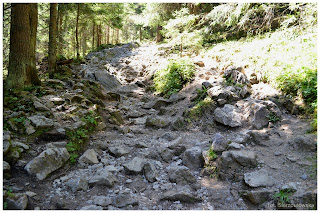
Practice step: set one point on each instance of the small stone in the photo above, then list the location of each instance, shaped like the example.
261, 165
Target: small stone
103, 177
150, 172
118, 151
90, 156
30, 194
77, 184
29, 128
129, 181
219, 143
102, 200
228, 115
192, 158
39, 106
6, 166
277, 153
57, 100
182, 196
304, 177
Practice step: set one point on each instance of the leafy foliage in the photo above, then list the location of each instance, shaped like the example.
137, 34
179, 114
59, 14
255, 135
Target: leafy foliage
273, 118
283, 196
172, 79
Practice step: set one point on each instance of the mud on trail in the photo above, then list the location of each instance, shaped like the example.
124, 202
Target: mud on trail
151, 154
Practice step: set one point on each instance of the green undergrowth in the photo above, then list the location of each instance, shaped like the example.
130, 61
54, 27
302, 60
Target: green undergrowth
172, 78
77, 138
287, 58
201, 106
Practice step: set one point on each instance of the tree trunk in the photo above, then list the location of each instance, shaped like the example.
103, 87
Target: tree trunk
52, 58
93, 36
77, 29
84, 43
140, 33
159, 36
117, 30
19, 57
113, 41
32, 75
108, 33
98, 36
60, 43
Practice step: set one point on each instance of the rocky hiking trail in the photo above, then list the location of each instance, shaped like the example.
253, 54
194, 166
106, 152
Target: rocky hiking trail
150, 154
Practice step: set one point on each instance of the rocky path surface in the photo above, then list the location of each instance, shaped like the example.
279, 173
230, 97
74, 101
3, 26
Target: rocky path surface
153, 156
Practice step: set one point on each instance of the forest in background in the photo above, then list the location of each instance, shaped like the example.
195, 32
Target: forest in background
265, 29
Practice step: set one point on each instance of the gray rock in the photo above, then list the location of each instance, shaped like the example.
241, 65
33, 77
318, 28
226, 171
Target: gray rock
245, 158
6, 136
18, 201
135, 166
102, 200
6, 166
207, 84
150, 171
157, 122
258, 178
165, 153
291, 186
228, 115
19, 144
182, 196
181, 175
103, 177
39, 106
41, 121
92, 207
177, 145
235, 146
175, 97
57, 100
192, 158
219, 143
123, 200
90, 157
304, 177
259, 196
305, 142
107, 80
77, 184
6, 145
118, 151
308, 197
259, 118
218, 92
169, 136
47, 162
29, 128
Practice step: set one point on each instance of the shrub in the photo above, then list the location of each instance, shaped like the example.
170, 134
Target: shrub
172, 78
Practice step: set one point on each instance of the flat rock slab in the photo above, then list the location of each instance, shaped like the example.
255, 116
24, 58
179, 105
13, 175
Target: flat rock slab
41, 121
47, 162
180, 196
244, 157
258, 178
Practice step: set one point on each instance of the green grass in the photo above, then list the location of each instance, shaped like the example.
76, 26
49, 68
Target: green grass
171, 79
283, 196
198, 110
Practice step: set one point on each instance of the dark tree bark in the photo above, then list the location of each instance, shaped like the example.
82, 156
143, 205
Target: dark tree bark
77, 29
159, 36
108, 34
19, 57
52, 58
93, 36
140, 34
117, 40
60, 30
32, 75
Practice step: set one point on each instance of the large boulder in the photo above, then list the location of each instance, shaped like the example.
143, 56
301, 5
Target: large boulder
77, 184
218, 92
228, 115
47, 162
244, 157
17, 201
